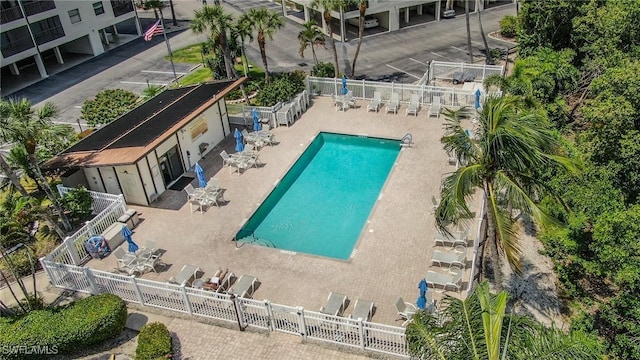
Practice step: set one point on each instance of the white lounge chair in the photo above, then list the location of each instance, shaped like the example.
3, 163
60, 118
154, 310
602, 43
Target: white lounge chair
456, 258
335, 304
414, 104
435, 202
435, 108
185, 277
405, 310
244, 287
452, 279
362, 310
394, 103
125, 262
459, 238
374, 105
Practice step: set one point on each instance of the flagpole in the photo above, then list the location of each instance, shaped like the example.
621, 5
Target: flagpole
166, 40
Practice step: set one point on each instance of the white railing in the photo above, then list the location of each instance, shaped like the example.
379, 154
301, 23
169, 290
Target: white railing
363, 89
99, 201
229, 308
72, 250
445, 70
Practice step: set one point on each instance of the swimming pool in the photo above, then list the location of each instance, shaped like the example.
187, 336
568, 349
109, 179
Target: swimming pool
323, 202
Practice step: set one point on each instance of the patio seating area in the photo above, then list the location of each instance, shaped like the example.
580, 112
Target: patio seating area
391, 256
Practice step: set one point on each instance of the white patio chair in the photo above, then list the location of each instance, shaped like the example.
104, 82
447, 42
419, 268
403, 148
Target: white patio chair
452, 279
435, 108
374, 105
405, 310
335, 304
414, 104
394, 103
456, 258
362, 310
244, 287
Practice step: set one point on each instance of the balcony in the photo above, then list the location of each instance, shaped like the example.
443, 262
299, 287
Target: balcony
10, 14
47, 30
36, 7
15, 41
121, 7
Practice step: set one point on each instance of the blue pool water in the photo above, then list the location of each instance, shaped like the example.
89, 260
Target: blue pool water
321, 205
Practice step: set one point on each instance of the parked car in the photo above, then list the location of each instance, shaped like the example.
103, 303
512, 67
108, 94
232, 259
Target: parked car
369, 22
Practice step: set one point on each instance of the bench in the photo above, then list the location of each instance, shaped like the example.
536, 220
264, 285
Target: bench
113, 235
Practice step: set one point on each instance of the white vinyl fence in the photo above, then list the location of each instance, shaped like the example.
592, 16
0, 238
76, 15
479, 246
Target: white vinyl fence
260, 314
63, 267
445, 70
363, 89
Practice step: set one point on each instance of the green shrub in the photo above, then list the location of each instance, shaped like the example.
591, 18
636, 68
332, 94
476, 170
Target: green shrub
78, 202
154, 342
323, 69
281, 89
64, 329
509, 26
107, 106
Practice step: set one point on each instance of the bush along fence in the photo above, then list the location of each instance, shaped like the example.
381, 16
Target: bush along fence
63, 267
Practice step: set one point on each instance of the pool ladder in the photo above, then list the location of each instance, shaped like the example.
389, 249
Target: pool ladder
406, 140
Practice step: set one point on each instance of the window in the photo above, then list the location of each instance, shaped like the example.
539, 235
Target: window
98, 8
74, 16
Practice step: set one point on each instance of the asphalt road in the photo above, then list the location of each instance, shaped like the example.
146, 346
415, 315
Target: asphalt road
400, 56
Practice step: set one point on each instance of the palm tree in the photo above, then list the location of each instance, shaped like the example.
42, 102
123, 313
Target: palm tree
217, 22
265, 23
327, 6
21, 124
508, 149
11, 174
242, 31
484, 37
479, 327
310, 36
155, 5
362, 7
466, 19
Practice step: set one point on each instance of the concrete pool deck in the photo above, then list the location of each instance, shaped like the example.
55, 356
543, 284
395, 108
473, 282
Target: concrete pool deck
391, 256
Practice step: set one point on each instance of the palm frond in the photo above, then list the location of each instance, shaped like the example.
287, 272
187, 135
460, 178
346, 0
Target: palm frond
456, 189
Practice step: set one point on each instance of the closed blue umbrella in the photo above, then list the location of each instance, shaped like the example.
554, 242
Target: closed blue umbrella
200, 173
256, 121
239, 143
126, 233
478, 94
344, 85
422, 299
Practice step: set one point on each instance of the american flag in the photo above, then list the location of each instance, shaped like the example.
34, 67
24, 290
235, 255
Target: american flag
154, 30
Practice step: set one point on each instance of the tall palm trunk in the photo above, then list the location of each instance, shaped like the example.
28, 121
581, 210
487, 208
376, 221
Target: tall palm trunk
363, 10
466, 18
263, 55
484, 37
327, 20
47, 189
13, 178
173, 13
226, 54
490, 249
13, 294
313, 52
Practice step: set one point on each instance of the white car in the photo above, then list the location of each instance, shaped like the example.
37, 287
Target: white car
369, 22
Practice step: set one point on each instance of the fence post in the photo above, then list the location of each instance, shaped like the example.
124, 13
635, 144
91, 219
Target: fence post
123, 204
364, 90
302, 328
136, 289
91, 280
187, 303
335, 86
71, 248
361, 333
44, 262
239, 314
272, 320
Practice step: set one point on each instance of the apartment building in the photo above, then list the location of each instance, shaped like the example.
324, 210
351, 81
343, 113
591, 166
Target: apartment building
392, 15
39, 37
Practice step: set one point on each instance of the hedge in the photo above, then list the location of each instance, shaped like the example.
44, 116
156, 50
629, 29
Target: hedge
64, 329
154, 342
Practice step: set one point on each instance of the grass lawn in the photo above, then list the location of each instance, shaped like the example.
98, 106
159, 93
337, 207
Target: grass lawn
189, 55
202, 74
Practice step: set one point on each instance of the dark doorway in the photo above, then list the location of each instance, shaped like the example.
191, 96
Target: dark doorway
171, 165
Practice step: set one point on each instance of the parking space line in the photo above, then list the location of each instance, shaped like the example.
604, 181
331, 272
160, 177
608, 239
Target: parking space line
162, 72
419, 62
477, 43
144, 83
457, 48
395, 68
436, 54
